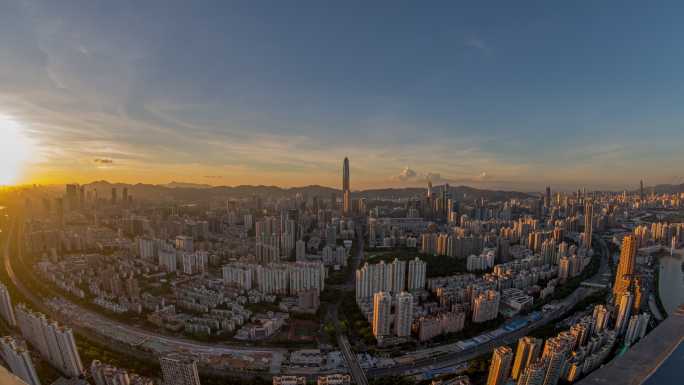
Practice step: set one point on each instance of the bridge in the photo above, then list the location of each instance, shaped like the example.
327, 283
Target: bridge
356, 370
594, 285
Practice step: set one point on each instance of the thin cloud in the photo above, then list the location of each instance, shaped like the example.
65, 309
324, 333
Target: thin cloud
410, 176
478, 44
103, 161
407, 174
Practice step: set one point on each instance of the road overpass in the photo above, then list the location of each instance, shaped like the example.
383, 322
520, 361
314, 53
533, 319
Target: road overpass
354, 367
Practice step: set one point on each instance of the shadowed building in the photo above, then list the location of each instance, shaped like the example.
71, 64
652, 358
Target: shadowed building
657, 359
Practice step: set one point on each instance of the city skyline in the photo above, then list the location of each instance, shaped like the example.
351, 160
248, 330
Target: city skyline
387, 192
346, 189
511, 98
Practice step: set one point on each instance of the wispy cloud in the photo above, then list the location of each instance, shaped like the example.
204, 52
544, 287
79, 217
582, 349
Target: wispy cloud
412, 177
478, 44
99, 100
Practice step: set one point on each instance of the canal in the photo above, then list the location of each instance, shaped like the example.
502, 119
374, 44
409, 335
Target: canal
671, 282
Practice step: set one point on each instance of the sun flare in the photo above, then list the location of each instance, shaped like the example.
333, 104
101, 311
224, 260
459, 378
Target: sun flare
14, 150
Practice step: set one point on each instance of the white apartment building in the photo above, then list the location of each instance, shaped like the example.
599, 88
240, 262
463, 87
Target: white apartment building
404, 315
6, 309
382, 313
19, 360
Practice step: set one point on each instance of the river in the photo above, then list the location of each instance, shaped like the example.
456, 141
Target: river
671, 283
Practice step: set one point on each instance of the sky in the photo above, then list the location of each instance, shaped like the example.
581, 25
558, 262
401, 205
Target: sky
492, 94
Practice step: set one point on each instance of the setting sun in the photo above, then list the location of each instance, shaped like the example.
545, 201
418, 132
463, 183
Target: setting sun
14, 150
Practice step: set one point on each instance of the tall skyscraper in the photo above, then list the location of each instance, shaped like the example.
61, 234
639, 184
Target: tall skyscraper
6, 310
178, 370
346, 191
638, 290
528, 351
534, 374
501, 366
389, 277
636, 328
555, 356
382, 312
547, 198
446, 195
588, 223
625, 270
601, 316
417, 270
641, 190
624, 302
19, 360
404, 316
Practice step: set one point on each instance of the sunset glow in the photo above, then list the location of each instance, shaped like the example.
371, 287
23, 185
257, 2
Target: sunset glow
14, 150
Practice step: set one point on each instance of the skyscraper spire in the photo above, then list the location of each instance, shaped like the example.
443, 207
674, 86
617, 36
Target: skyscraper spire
345, 175
346, 192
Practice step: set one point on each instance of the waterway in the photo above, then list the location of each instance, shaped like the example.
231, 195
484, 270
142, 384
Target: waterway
671, 282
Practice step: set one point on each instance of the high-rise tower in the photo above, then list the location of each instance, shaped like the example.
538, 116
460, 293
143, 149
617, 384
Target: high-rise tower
528, 351
501, 366
6, 310
346, 192
547, 198
624, 303
625, 270
588, 223
404, 316
345, 175
382, 310
19, 360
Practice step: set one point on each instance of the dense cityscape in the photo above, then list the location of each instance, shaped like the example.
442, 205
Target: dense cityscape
333, 193
454, 285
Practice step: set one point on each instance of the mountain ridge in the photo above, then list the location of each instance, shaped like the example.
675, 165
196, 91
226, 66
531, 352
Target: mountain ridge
182, 190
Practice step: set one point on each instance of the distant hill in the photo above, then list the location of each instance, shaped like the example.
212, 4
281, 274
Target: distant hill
462, 193
199, 192
186, 185
666, 188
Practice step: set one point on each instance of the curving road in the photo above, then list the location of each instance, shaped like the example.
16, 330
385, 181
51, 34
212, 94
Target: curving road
456, 357
88, 322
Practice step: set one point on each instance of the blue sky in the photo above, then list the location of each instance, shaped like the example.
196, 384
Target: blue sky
492, 94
